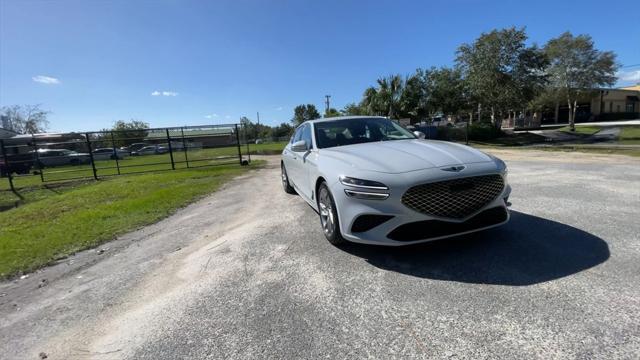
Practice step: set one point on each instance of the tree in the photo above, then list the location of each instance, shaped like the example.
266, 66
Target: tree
126, 133
354, 109
254, 130
25, 119
331, 112
447, 92
413, 101
282, 130
577, 68
385, 98
302, 113
501, 72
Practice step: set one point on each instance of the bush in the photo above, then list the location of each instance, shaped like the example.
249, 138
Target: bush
477, 131
483, 131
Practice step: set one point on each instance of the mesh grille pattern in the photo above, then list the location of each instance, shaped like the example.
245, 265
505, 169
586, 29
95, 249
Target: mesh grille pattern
457, 198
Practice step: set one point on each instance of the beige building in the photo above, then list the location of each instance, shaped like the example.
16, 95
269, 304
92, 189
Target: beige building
616, 101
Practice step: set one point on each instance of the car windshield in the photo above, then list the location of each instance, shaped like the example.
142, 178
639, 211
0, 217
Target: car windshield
357, 131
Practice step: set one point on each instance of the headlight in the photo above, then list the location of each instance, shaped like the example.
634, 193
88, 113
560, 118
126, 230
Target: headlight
363, 184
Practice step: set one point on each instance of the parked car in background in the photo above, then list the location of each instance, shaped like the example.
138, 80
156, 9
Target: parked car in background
134, 147
150, 150
58, 157
109, 154
17, 163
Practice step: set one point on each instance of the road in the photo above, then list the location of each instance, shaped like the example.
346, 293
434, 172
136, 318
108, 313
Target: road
246, 273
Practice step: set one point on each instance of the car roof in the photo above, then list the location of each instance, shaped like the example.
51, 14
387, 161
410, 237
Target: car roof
345, 118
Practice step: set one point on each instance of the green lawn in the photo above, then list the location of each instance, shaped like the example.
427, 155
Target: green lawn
582, 130
630, 135
56, 222
135, 164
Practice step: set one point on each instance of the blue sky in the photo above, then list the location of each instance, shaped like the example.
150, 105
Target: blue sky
188, 62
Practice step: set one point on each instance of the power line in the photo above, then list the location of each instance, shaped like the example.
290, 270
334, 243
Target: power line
628, 66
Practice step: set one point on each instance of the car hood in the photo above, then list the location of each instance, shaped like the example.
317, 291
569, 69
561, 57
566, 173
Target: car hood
400, 156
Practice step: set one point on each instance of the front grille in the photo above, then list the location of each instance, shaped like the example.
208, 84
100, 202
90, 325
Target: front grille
457, 198
429, 229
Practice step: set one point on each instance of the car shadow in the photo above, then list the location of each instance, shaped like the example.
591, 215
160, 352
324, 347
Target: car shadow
527, 250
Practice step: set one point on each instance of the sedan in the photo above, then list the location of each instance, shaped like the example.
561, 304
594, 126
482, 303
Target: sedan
150, 150
58, 157
109, 154
372, 181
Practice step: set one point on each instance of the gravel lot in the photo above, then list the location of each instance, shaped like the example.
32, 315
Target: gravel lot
246, 273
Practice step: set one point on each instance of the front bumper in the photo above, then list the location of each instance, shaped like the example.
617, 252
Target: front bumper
395, 224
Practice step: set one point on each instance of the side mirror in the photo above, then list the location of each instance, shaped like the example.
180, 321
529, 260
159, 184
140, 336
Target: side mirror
419, 134
299, 146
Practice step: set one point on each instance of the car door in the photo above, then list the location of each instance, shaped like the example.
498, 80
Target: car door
289, 158
304, 162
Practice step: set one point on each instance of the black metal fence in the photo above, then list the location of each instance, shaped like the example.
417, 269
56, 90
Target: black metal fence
31, 160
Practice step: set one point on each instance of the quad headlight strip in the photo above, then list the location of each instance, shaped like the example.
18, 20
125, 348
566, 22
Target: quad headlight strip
361, 185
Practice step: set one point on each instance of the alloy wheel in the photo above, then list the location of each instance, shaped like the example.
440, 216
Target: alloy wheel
326, 212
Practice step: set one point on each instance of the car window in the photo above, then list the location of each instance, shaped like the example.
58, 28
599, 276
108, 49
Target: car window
297, 135
306, 135
356, 131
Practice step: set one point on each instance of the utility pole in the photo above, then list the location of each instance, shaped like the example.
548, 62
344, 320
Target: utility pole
255, 128
326, 102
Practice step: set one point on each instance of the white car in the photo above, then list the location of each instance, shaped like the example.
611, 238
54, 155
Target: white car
374, 182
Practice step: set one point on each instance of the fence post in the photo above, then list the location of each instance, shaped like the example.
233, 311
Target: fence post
184, 147
173, 164
93, 165
115, 152
466, 133
7, 166
246, 141
238, 143
35, 151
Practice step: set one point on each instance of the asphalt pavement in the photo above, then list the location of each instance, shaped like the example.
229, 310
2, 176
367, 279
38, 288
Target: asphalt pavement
246, 273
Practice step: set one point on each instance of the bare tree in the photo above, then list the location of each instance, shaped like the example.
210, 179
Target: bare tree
25, 119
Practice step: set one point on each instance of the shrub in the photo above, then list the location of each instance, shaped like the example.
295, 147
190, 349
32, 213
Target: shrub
483, 131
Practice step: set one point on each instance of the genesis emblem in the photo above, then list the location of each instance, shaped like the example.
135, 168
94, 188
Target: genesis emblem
454, 168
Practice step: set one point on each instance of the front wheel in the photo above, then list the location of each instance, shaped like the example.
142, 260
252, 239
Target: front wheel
285, 181
329, 216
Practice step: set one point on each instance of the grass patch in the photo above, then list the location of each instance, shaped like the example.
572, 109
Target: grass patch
582, 130
272, 148
629, 135
592, 150
56, 222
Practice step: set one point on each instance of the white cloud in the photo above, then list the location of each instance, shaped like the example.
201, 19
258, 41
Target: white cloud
279, 108
164, 93
46, 80
631, 76
211, 116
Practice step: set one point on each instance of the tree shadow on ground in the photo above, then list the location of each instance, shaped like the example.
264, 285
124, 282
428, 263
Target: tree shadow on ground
527, 250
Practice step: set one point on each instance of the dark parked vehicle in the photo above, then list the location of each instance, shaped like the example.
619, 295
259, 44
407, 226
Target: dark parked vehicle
18, 163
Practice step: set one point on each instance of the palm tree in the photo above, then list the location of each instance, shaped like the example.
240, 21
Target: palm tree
389, 93
385, 99
371, 101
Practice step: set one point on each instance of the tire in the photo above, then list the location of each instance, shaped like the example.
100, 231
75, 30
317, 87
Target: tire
285, 181
329, 216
